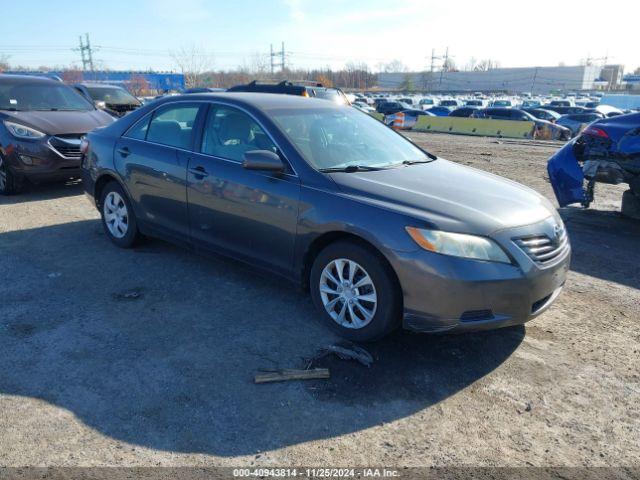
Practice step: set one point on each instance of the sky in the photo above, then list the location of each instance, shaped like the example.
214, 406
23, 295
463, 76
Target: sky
141, 34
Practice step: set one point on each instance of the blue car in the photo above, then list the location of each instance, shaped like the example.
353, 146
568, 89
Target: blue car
440, 111
607, 151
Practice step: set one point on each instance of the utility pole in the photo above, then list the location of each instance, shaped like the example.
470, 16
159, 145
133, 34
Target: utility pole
282, 57
84, 60
271, 58
86, 53
533, 83
445, 64
433, 66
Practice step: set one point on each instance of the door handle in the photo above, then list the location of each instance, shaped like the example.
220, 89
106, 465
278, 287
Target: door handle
199, 172
124, 152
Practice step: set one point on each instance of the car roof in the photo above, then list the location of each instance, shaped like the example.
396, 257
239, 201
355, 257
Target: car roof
9, 77
261, 101
99, 85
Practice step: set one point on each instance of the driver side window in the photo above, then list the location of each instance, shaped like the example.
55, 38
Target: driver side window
230, 133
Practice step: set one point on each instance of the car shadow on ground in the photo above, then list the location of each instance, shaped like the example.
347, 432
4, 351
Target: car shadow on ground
157, 347
45, 191
605, 245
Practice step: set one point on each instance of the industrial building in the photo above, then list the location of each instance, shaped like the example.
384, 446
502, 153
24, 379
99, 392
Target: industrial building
537, 80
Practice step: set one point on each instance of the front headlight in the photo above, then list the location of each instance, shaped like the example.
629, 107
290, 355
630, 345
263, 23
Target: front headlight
458, 245
22, 131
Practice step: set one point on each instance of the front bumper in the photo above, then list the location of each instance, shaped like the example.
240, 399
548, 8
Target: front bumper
443, 293
39, 161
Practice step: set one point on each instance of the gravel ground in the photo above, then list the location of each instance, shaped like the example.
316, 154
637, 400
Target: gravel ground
146, 357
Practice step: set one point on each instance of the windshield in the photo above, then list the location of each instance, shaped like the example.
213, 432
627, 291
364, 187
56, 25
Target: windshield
112, 95
329, 94
40, 96
336, 138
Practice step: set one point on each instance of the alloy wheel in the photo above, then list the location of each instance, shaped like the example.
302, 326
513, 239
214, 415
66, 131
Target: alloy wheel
116, 216
3, 175
348, 293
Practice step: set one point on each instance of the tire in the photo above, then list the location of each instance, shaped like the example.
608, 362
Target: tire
631, 205
373, 320
10, 184
118, 220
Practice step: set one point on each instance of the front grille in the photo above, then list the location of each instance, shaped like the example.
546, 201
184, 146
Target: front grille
542, 249
68, 147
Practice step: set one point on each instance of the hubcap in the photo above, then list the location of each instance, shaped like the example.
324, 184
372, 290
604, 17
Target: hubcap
116, 216
348, 293
3, 176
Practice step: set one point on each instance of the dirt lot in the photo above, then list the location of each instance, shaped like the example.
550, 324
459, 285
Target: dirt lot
92, 375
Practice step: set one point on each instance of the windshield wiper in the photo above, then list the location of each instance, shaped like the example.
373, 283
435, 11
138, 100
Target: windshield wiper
413, 162
351, 169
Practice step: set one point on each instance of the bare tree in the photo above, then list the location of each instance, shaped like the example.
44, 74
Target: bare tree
449, 65
72, 76
138, 85
471, 64
392, 66
486, 65
193, 62
4, 63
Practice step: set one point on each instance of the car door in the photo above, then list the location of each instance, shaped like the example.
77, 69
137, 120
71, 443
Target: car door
250, 214
152, 158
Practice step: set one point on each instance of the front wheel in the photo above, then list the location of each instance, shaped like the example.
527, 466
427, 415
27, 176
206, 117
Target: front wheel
355, 291
118, 219
10, 184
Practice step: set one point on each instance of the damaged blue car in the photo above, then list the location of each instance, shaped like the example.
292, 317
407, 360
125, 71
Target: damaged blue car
607, 151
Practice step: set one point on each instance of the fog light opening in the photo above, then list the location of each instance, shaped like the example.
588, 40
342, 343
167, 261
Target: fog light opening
26, 159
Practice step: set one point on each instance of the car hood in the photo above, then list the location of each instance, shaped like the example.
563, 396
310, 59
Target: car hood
58, 123
449, 196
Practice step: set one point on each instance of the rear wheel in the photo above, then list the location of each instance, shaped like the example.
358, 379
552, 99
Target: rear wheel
118, 219
10, 183
355, 291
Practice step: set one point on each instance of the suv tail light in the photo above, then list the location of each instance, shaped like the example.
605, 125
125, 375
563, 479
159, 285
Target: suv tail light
595, 132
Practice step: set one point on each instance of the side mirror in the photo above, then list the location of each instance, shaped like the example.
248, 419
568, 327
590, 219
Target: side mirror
264, 160
100, 105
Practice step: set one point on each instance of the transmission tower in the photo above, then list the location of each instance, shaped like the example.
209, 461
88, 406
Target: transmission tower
274, 62
86, 53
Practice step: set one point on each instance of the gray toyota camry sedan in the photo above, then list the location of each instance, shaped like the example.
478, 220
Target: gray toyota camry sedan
382, 233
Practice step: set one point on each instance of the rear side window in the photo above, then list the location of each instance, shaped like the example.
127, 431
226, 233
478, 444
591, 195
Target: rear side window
173, 126
139, 130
